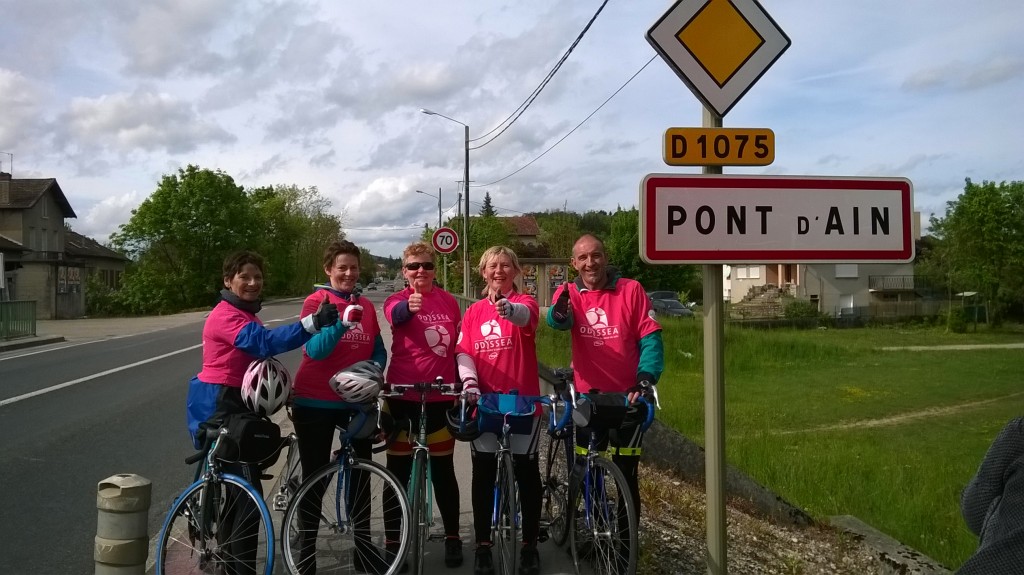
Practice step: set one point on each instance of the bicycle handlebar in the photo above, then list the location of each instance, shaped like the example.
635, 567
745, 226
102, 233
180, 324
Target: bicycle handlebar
394, 389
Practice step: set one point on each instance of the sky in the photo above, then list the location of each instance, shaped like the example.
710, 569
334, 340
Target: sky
108, 96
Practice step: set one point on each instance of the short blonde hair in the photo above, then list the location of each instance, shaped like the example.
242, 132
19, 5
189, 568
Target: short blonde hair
418, 249
495, 251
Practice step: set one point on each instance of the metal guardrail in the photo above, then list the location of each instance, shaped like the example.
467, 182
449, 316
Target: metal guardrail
17, 319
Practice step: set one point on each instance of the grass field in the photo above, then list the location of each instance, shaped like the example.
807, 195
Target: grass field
835, 425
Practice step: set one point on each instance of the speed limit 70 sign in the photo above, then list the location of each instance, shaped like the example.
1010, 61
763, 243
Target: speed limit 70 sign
445, 240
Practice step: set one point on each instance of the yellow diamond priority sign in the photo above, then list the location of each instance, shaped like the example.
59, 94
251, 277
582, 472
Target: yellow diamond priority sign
719, 48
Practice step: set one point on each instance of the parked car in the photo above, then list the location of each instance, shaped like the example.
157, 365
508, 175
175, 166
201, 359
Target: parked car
655, 295
671, 308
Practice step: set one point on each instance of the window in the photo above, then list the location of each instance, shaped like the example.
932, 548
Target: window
43, 244
43, 205
846, 270
748, 272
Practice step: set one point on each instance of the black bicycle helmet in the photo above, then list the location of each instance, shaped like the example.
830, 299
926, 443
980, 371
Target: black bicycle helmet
463, 428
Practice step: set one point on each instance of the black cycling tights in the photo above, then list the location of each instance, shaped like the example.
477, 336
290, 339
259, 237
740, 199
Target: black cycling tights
527, 471
446, 486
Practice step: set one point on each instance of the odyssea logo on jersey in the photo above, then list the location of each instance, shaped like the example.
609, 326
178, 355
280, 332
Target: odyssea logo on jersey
355, 336
438, 339
598, 329
493, 341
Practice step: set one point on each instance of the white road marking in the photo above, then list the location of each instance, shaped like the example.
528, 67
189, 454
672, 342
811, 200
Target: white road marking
18, 398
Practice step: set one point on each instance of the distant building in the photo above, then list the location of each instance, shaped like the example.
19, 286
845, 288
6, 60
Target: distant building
41, 259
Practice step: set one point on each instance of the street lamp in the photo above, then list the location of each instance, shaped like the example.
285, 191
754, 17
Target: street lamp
444, 256
465, 215
438, 196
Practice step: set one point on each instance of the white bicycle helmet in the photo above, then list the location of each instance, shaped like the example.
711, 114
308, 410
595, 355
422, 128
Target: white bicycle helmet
358, 383
266, 386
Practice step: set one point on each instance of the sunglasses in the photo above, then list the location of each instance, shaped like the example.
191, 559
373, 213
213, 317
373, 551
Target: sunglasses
413, 266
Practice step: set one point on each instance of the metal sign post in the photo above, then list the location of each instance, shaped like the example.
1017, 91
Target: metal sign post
719, 49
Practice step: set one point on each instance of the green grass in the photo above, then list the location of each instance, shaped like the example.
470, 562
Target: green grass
784, 386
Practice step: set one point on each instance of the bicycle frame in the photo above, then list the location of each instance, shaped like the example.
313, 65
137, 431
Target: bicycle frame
420, 479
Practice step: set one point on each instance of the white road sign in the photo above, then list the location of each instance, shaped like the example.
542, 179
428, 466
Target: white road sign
445, 240
714, 218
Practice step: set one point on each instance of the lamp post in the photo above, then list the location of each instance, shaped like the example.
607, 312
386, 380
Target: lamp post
465, 215
443, 256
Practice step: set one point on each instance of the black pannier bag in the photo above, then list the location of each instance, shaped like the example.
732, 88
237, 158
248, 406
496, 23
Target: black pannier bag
250, 439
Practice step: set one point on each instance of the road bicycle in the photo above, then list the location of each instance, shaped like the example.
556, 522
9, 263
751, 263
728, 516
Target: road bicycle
219, 524
602, 516
506, 415
351, 516
420, 489
290, 478
557, 463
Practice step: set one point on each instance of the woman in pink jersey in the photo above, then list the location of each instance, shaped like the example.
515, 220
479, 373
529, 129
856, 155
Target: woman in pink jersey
317, 410
497, 347
233, 336
424, 322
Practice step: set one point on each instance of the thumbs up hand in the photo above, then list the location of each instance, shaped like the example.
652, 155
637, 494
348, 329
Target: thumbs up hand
415, 300
502, 306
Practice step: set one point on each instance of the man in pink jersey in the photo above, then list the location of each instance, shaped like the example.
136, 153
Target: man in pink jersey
424, 324
616, 343
497, 353
317, 410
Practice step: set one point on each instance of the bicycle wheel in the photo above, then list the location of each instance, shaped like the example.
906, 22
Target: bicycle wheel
604, 534
504, 523
420, 521
347, 518
218, 526
556, 491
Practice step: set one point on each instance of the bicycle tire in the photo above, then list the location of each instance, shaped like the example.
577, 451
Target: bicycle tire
604, 541
505, 522
340, 545
421, 522
200, 533
555, 497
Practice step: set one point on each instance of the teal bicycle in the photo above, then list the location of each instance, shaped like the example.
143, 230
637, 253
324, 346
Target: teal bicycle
420, 489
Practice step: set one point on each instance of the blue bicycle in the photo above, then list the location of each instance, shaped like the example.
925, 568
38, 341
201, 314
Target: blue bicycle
506, 415
219, 524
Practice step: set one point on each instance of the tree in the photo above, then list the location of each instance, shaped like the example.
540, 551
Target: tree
487, 210
983, 239
559, 232
179, 237
623, 247
296, 228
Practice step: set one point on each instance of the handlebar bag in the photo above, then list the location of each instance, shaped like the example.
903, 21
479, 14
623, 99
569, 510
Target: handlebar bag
598, 411
250, 438
493, 408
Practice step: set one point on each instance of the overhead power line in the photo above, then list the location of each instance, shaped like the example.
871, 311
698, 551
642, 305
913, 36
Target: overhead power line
507, 122
569, 133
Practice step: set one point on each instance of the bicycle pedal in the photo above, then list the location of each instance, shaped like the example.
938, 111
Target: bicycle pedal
436, 537
266, 477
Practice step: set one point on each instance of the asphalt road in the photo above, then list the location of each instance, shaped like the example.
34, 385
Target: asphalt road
111, 400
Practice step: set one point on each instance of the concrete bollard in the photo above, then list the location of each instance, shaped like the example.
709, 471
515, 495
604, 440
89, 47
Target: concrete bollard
122, 539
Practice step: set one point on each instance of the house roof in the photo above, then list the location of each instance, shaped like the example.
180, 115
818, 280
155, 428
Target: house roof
9, 245
524, 225
75, 244
25, 192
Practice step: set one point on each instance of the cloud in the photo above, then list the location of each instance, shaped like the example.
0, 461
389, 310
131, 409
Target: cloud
103, 218
19, 111
143, 120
